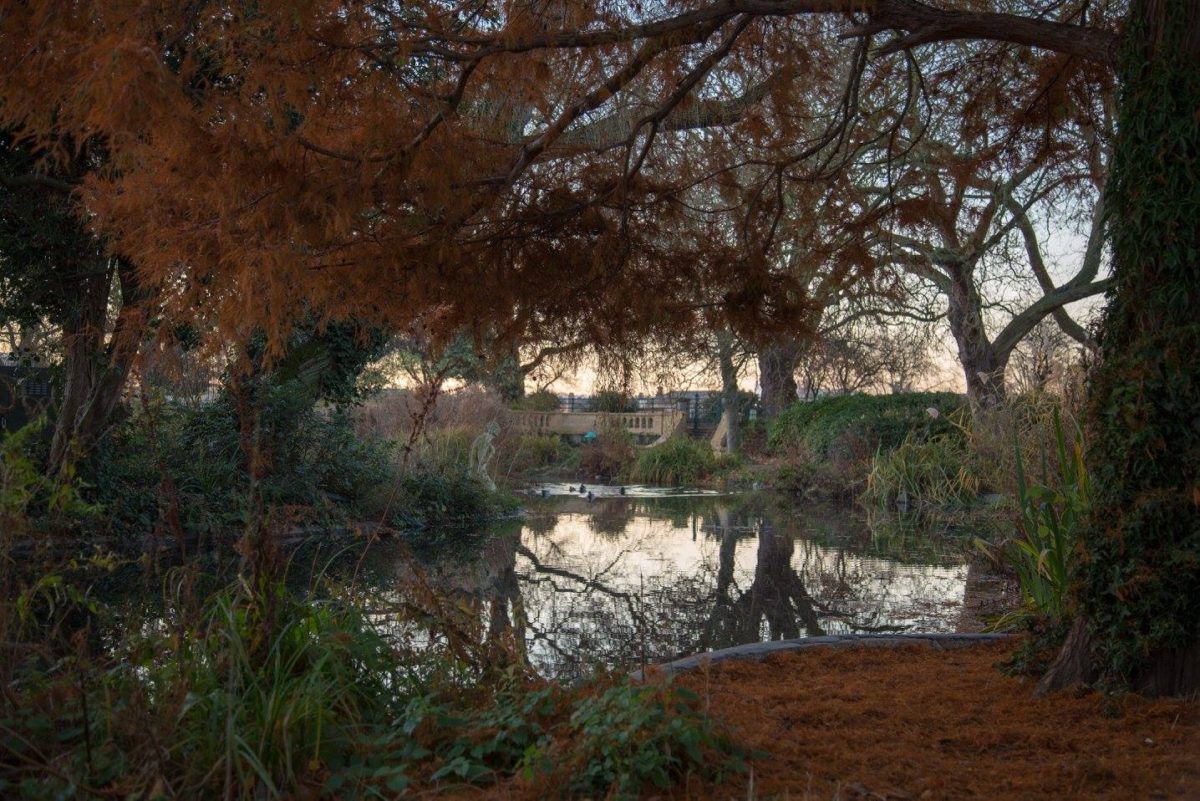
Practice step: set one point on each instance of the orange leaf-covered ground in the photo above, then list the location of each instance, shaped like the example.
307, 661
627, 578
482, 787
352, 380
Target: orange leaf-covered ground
918, 723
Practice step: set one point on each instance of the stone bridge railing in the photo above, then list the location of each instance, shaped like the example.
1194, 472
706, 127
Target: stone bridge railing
649, 426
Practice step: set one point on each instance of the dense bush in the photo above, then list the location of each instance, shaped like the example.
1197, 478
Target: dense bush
434, 489
189, 464
541, 401
182, 471
851, 425
428, 498
829, 444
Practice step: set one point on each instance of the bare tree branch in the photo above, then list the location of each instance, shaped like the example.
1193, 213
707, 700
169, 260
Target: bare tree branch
1024, 322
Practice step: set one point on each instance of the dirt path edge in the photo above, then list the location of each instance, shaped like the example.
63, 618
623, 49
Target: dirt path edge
758, 651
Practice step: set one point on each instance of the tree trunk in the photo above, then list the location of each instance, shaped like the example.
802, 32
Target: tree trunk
983, 368
1138, 582
83, 341
95, 370
777, 375
729, 392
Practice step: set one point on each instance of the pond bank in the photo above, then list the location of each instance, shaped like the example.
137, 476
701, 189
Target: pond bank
757, 652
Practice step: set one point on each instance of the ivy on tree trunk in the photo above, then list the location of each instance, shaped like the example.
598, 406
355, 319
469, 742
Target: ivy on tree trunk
1138, 584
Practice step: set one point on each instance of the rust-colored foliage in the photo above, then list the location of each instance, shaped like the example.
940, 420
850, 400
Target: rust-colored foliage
442, 164
575, 170
919, 723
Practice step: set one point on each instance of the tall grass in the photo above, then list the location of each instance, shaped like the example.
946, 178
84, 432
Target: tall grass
676, 462
1003, 439
920, 473
522, 456
273, 712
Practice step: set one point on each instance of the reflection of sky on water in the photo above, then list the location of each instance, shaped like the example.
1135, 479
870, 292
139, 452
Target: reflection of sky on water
662, 585
621, 580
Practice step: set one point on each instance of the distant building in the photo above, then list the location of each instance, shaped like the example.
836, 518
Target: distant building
696, 403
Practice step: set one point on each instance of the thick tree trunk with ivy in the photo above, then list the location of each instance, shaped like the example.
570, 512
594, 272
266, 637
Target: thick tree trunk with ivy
777, 375
1138, 587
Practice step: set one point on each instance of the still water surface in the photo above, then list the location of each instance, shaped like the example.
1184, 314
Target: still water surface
622, 580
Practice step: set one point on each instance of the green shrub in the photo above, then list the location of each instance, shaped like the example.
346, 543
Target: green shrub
434, 491
829, 444
190, 462
429, 497
831, 427
634, 737
676, 462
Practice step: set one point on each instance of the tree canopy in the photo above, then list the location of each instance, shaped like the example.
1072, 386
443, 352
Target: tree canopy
599, 166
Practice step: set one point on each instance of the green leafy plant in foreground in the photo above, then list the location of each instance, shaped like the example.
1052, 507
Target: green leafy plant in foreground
1052, 513
275, 696
637, 736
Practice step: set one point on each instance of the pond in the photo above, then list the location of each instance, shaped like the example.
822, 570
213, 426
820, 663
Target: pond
623, 580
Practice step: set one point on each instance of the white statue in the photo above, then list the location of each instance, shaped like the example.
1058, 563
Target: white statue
482, 451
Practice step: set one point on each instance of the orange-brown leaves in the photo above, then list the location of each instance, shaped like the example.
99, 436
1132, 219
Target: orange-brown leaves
377, 160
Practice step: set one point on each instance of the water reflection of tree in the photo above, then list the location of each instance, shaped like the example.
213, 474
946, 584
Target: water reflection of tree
571, 609
591, 619
775, 598
507, 623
